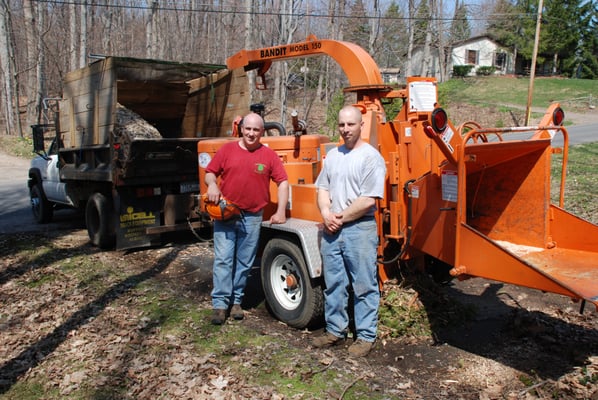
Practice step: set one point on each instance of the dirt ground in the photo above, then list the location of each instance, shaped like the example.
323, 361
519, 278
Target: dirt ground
516, 343
516, 336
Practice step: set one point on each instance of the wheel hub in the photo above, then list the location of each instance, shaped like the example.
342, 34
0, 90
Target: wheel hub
291, 282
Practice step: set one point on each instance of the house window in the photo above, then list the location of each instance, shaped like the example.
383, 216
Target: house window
472, 57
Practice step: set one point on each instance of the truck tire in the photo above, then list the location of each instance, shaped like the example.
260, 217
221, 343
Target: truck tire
99, 219
43, 210
291, 295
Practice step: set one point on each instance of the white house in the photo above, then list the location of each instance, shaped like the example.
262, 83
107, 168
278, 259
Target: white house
391, 75
479, 51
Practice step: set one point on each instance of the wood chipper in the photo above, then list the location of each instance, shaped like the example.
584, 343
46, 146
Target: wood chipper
467, 197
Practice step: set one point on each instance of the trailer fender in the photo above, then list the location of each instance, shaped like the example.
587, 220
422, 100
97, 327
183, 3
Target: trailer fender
309, 234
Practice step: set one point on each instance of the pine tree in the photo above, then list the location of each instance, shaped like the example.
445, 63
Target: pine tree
395, 37
460, 28
422, 23
357, 29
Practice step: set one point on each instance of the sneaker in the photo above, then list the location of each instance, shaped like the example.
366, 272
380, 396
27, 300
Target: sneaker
237, 312
360, 348
218, 316
327, 340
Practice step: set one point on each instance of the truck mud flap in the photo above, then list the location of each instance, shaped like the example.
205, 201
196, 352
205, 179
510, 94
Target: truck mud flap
134, 217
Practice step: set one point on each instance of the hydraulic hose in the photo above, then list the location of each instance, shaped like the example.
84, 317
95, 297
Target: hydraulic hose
409, 227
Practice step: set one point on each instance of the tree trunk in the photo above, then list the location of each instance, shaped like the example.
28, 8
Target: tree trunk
108, 36
440, 41
73, 39
249, 41
10, 94
83, 35
30, 49
425, 70
40, 70
150, 31
374, 29
411, 33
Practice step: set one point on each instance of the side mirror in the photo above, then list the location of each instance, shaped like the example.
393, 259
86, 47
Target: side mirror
37, 132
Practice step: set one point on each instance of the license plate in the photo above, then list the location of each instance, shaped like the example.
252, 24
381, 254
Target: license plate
188, 187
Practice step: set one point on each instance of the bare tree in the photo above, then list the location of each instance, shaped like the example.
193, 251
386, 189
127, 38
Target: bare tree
411, 34
10, 98
374, 28
30, 50
83, 34
150, 31
427, 53
73, 37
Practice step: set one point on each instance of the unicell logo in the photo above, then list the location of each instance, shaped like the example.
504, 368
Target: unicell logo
137, 218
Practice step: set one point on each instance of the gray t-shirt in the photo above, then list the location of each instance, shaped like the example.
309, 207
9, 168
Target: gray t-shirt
349, 174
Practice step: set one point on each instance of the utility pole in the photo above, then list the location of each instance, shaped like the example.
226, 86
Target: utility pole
532, 72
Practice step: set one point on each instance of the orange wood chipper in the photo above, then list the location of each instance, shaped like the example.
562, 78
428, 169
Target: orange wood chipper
474, 199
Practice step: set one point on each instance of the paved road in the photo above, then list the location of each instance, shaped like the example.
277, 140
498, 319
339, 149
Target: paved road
15, 213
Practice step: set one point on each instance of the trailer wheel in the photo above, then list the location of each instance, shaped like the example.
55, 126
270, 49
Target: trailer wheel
99, 219
292, 296
42, 209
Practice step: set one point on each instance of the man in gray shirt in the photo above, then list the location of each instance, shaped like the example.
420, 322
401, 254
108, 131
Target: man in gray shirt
351, 180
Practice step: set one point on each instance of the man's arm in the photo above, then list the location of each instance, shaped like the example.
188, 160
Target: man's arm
279, 217
213, 190
358, 208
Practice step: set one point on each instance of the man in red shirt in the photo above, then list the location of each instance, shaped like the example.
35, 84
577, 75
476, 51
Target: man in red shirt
245, 168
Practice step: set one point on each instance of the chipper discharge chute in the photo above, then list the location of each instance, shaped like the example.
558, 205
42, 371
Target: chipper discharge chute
495, 201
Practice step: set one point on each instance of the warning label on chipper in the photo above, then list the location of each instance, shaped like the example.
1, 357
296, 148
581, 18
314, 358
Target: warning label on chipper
449, 185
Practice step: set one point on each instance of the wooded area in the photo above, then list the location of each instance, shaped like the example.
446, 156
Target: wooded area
42, 40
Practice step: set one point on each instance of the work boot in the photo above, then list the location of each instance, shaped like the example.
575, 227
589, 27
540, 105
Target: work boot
237, 312
360, 348
218, 316
327, 339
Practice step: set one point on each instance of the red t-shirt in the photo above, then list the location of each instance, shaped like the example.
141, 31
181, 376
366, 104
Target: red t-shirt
245, 175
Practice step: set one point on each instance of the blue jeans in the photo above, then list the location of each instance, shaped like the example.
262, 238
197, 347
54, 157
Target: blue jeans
235, 246
349, 258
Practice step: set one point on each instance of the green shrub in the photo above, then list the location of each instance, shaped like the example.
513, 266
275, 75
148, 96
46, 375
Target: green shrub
486, 71
461, 70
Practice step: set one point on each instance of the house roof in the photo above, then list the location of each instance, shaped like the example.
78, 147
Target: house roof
476, 39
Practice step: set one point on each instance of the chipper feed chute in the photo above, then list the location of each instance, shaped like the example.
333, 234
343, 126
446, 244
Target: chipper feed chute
505, 227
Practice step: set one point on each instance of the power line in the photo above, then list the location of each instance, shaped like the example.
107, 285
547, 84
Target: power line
184, 7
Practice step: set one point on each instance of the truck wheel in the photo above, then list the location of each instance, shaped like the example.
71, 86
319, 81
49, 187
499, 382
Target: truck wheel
99, 219
42, 209
291, 295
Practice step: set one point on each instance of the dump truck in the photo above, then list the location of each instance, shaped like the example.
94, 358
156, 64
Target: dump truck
460, 201
123, 150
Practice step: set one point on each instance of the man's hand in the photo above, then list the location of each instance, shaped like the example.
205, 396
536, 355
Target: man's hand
213, 193
332, 222
278, 218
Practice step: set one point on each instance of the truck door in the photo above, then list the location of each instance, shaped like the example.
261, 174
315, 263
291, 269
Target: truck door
54, 189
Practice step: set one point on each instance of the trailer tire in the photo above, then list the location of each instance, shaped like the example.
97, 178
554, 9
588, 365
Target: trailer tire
99, 219
42, 208
291, 295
